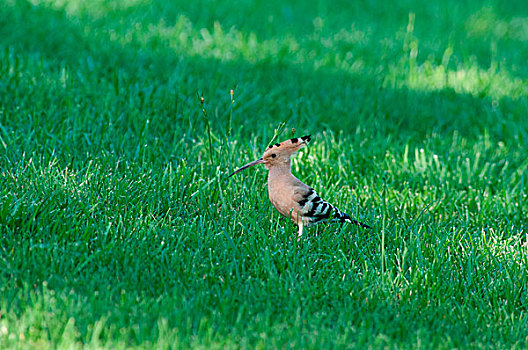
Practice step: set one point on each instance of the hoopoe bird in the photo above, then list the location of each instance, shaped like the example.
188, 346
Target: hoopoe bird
291, 197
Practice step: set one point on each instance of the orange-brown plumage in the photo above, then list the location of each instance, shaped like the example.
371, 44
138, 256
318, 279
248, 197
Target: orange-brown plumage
291, 197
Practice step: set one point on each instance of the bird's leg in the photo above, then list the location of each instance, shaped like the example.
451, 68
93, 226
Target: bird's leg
300, 230
299, 222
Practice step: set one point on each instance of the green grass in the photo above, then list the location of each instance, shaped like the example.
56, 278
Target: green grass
119, 227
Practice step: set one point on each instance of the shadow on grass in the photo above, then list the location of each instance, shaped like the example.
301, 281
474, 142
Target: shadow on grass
269, 91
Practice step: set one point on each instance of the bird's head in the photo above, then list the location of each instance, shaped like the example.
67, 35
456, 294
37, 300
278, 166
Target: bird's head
279, 153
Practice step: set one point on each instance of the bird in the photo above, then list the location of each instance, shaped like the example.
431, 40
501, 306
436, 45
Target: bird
289, 195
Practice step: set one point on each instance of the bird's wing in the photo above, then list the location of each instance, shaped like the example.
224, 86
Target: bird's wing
312, 208
315, 210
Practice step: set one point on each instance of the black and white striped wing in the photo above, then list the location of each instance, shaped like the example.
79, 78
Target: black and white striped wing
316, 210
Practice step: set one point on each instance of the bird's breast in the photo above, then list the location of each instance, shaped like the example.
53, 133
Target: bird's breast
283, 193
280, 195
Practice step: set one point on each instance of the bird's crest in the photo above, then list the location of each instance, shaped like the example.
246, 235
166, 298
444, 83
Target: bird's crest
289, 146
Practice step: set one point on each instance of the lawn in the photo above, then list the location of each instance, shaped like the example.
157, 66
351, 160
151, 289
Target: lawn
119, 227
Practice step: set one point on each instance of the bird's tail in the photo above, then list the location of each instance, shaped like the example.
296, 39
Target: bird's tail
342, 217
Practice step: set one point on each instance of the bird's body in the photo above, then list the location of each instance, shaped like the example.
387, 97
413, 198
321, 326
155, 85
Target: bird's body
289, 195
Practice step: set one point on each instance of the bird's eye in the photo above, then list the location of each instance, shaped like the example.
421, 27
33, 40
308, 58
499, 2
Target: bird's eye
273, 155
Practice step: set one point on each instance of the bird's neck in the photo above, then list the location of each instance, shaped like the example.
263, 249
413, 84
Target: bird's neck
280, 170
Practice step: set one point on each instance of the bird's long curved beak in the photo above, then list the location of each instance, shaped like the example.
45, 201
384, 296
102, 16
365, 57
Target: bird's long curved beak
255, 162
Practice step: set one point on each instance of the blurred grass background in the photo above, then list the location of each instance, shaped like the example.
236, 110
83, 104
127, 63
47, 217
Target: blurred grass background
119, 229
